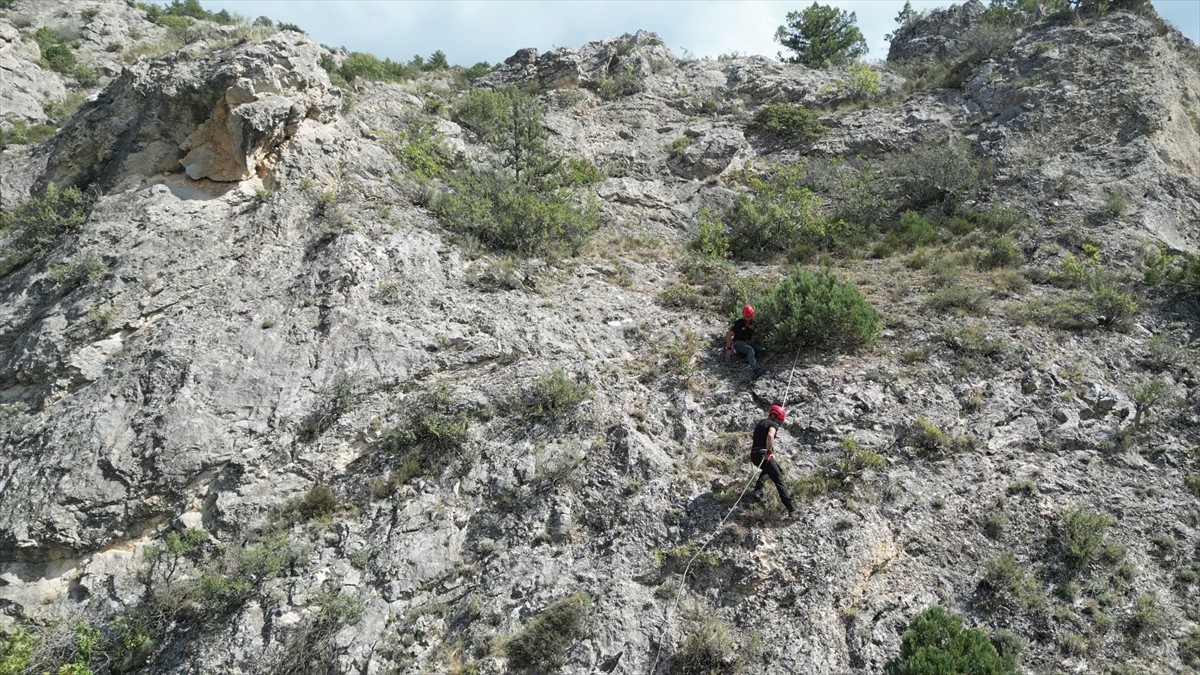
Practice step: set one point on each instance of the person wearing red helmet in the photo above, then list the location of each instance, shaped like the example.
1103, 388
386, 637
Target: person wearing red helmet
762, 456
738, 339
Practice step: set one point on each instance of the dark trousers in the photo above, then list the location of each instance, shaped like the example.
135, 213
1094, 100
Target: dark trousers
770, 469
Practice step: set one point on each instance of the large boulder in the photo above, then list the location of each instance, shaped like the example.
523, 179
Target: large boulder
225, 117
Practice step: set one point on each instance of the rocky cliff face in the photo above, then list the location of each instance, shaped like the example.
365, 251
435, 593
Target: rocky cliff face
203, 382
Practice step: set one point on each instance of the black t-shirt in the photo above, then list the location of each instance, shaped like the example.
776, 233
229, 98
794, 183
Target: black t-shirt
760, 433
742, 330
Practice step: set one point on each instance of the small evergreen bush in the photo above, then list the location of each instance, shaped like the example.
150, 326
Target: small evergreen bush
938, 172
1001, 252
936, 644
861, 83
817, 312
787, 123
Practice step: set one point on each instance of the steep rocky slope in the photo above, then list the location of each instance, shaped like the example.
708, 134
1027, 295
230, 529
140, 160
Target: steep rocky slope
203, 382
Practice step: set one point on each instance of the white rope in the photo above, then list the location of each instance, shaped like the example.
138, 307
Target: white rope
683, 578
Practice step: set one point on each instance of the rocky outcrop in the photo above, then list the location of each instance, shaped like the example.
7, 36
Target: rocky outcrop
260, 304
224, 117
936, 37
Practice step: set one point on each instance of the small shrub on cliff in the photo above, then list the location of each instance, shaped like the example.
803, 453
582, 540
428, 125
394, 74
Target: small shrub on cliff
937, 643
542, 642
861, 83
1008, 586
333, 401
37, 224
817, 312
786, 123
429, 438
16, 651
938, 172
708, 648
1083, 539
359, 65
554, 398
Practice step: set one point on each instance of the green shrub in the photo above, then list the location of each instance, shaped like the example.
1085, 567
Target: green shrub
1008, 586
911, 231
1115, 203
817, 312
681, 143
553, 399
786, 123
16, 651
861, 83
711, 241
542, 642
37, 224
359, 65
581, 171
1148, 622
707, 649
938, 172
850, 465
420, 148
428, 439
319, 502
218, 596
1113, 308
1000, 252
59, 58
931, 442
78, 272
508, 216
20, 133
1082, 536
1189, 648
781, 216
1191, 483
936, 643
959, 296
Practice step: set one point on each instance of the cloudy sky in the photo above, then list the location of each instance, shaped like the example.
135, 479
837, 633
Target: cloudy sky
469, 31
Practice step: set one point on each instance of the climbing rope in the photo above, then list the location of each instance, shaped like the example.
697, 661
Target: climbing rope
683, 578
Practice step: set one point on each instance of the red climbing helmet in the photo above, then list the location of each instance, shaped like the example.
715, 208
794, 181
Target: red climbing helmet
747, 312
777, 412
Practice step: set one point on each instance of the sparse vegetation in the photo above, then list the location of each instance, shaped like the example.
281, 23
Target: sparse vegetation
707, 649
1008, 586
553, 399
36, 225
542, 642
1083, 539
335, 400
931, 442
429, 438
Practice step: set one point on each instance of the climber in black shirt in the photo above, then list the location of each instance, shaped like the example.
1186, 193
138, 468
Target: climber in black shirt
738, 339
762, 456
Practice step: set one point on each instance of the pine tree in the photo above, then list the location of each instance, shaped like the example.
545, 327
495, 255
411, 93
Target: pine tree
821, 36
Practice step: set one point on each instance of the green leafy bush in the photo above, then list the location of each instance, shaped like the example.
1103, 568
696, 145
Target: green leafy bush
931, 442
817, 312
936, 643
420, 148
554, 398
938, 172
36, 224
16, 651
359, 65
861, 83
711, 241
1008, 586
911, 231
1083, 538
78, 272
542, 642
1001, 252
581, 171
508, 216
787, 123
20, 133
